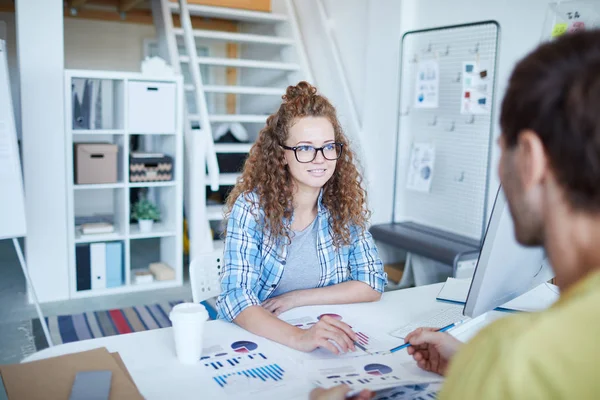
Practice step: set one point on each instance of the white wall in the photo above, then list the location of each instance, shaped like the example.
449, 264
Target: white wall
105, 45
41, 63
350, 32
9, 35
371, 33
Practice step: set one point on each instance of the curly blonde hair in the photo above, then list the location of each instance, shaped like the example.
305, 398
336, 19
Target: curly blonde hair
266, 174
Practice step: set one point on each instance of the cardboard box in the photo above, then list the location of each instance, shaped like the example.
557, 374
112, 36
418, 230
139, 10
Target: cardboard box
95, 163
253, 5
53, 378
394, 271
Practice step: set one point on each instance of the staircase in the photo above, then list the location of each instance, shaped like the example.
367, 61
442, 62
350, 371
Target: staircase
245, 88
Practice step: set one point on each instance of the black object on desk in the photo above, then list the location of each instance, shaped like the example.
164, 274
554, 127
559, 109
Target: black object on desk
436, 244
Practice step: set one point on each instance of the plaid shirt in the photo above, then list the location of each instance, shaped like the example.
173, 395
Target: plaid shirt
254, 261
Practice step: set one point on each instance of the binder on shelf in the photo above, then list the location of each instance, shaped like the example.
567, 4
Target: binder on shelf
114, 264
98, 265
83, 271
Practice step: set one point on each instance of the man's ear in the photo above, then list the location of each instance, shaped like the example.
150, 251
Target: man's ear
532, 160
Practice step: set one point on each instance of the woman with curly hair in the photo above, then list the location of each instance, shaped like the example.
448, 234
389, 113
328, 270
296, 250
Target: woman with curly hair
297, 228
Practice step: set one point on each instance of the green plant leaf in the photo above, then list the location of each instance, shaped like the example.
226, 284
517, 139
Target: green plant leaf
145, 209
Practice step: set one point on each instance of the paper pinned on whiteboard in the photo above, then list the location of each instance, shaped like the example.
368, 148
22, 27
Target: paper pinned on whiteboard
427, 89
477, 88
420, 170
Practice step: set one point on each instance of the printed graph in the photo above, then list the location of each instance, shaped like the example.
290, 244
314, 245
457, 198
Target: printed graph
372, 373
377, 369
334, 316
412, 392
244, 346
234, 362
365, 379
265, 374
363, 340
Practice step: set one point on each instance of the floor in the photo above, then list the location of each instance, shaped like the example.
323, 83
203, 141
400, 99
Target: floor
16, 339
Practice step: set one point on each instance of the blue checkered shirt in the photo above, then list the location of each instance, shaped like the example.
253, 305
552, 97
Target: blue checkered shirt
254, 261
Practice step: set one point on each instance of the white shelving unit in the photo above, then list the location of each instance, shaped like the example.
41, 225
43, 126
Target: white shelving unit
119, 117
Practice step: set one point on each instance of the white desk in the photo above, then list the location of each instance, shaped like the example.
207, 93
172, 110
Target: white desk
150, 355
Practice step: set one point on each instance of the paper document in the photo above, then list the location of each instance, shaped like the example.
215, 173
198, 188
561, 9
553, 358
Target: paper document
245, 368
410, 392
367, 342
476, 88
537, 299
427, 87
373, 372
420, 169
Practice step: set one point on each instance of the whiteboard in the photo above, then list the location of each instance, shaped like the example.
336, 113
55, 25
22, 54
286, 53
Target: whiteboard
12, 200
454, 198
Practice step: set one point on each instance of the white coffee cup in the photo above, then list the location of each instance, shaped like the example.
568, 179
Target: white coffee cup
188, 321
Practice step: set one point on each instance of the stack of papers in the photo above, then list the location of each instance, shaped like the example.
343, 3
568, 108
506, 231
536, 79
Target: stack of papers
537, 299
373, 372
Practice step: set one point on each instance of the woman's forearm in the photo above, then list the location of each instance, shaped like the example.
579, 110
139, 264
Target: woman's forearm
342, 293
259, 321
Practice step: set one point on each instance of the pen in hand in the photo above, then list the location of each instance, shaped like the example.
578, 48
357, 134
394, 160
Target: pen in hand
405, 345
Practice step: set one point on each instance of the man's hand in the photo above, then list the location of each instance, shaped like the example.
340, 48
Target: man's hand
285, 302
432, 350
338, 393
322, 333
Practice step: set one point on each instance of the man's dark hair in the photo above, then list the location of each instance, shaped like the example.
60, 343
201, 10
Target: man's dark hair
555, 92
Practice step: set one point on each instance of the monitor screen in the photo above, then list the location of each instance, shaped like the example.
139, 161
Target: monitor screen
505, 269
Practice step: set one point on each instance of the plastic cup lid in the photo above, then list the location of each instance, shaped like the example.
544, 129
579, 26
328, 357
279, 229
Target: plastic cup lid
188, 309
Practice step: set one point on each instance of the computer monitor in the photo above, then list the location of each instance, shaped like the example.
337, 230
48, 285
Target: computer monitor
505, 269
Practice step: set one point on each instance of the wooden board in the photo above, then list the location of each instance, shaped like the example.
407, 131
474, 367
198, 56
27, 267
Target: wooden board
253, 5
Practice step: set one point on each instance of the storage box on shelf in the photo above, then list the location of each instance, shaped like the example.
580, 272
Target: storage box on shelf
95, 163
106, 112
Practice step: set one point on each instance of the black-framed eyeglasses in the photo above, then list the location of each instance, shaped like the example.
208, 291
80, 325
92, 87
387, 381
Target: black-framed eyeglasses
306, 153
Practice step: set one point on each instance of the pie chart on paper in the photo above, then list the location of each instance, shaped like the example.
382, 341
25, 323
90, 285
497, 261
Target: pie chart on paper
334, 316
243, 346
377, 369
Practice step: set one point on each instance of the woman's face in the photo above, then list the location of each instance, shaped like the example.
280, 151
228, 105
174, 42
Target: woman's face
306, 134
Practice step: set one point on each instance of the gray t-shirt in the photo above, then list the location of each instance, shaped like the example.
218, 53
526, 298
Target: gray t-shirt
302, 269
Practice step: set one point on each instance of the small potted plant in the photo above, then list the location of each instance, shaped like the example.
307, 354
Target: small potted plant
145, 212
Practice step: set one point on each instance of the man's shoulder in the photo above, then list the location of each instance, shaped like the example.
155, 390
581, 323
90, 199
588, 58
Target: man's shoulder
535, 354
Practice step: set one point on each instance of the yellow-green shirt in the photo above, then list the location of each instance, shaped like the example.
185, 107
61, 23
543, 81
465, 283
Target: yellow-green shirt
554, 354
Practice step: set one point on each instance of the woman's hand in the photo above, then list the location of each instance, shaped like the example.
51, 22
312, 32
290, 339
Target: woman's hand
323, 333
285, 302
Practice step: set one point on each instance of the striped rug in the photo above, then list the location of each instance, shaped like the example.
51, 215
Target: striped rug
95, 324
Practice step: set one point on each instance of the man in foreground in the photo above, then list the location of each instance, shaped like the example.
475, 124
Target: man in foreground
550, 172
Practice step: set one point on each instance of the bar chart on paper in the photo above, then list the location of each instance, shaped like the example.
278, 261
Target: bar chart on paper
267, 374
244, 368
371, 373
234, 362
412, 392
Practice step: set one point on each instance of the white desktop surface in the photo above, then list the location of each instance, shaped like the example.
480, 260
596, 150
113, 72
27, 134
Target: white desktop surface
150, 355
